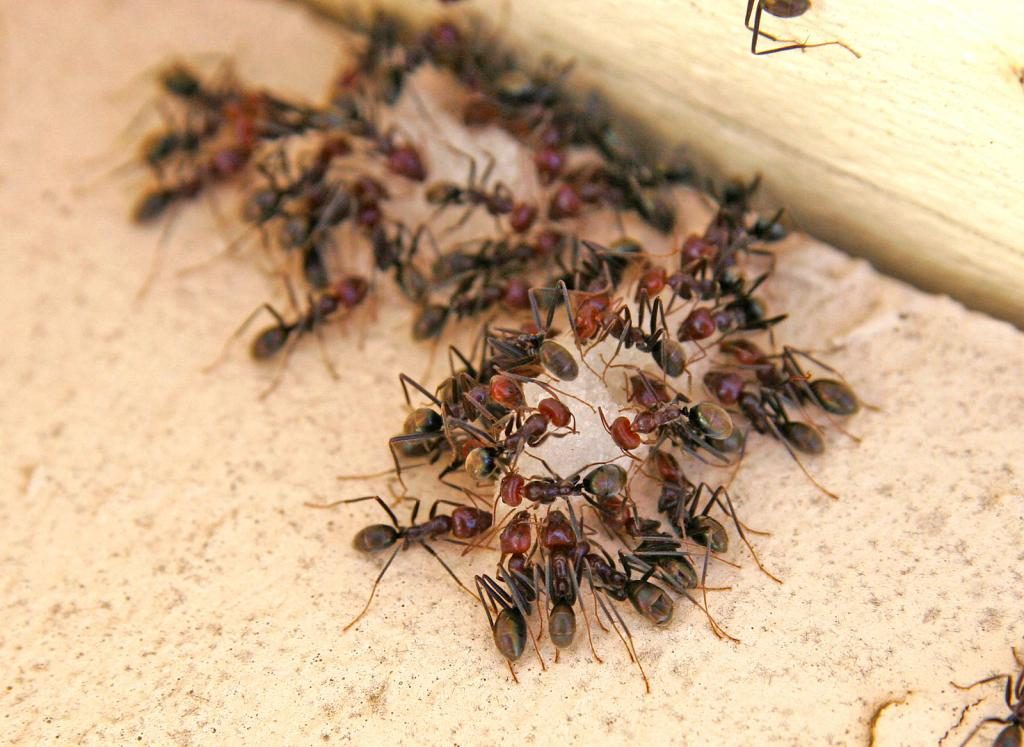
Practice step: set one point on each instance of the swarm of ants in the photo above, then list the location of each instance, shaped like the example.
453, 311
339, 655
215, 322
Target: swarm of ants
663, 333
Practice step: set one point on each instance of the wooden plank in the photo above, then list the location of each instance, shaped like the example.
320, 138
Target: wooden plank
911, 156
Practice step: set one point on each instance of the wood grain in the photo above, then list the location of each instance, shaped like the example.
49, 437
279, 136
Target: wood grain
911, 156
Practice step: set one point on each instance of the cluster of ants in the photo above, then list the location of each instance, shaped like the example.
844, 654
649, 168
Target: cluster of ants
561, 539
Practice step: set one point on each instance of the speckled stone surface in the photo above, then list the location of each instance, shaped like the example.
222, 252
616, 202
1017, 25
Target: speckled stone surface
162, 582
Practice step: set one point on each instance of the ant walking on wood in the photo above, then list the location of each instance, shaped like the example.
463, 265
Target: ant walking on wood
782, 9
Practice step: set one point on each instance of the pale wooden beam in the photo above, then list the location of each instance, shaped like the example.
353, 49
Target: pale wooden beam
912, 156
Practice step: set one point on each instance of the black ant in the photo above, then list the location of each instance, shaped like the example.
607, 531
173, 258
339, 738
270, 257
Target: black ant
679, 501
498, 200
768, 415
527, 349
666, 352
464, 522
397, 251
345, 293
782, 9
657, 554
1012, 734
507, 615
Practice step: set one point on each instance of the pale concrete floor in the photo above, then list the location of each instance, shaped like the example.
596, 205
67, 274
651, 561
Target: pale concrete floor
163, 583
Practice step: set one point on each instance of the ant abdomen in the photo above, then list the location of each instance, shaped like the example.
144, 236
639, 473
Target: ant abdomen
152, 205
786, 8
679, 572
835, 396
269, 342
670, 357
423, 420
562, 625
558, 361
802, 437
605, 481
651, 601
482, 463
708, 532
375, 537
429, 322
510, 633
711, 419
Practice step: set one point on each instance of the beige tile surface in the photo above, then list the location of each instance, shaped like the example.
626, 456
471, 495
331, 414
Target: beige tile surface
162, 582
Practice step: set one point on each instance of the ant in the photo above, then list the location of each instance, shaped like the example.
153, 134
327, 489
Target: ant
782, 9
559, 574
667, 353
680, 500
497, 201
1012, 734
701, 425
397, 252
515, 350
475, 287
345, 293
507, 613
657, 554
520, 430
464, 522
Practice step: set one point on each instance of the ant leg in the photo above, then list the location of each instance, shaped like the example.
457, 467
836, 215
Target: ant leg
318, 319
404, 380
583, 609
800, 464
715, 627
523, 607
383, 504
154, 265
756, 29
627, 640
433, 506
977, 728
564, 290
471, 181
531, 294
444, 565
469, 369
739, 459
627, 323
281, 324
471, 430
594, 589
480, 590
374, 589
227, 251
466, 214
804, 45
993, 678
367, 476
739, 529
411, 438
